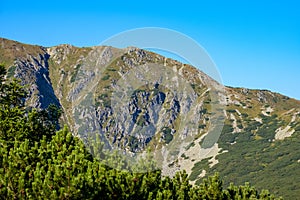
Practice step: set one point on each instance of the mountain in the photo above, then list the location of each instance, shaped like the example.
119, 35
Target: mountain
136, 99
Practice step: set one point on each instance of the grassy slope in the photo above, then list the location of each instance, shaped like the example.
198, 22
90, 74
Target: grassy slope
256, 157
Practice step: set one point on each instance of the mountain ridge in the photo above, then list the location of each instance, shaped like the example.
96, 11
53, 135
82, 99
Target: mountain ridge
2, 40
256, 124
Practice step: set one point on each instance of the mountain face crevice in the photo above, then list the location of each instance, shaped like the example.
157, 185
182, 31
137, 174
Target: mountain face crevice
136, 99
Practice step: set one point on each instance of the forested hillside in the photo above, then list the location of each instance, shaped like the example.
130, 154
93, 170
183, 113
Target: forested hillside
38, 161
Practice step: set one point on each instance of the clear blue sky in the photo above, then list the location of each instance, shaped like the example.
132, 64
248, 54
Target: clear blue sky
255, 44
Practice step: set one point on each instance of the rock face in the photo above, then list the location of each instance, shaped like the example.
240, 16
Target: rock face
32, 68
34, 71
137, 99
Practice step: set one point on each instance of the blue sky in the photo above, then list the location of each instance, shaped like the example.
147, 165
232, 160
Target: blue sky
255, 44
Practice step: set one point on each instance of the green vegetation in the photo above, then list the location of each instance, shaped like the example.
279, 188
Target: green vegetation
133, 143
167, 135
11, 71
254, 155
104, 100
197, 169
74, 73
231, 111
106, 77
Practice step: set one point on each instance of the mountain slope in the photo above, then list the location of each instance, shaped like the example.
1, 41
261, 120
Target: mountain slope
259, 129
